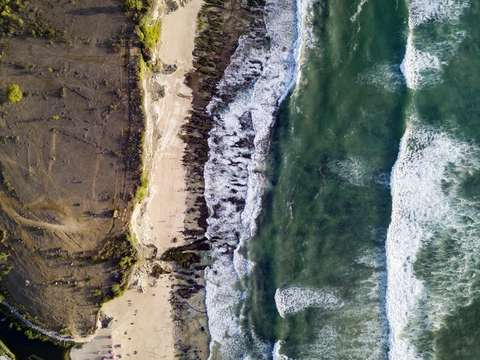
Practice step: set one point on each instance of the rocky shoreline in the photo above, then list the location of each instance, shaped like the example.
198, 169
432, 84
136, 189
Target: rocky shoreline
220, 23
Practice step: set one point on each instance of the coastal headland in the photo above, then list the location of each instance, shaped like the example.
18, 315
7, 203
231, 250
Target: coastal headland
70, 159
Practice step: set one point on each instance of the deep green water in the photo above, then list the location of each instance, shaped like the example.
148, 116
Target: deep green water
320, 250
23, 347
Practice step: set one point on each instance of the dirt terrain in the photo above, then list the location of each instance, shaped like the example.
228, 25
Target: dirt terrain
69, 157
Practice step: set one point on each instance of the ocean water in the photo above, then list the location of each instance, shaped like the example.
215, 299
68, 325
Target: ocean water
343, 184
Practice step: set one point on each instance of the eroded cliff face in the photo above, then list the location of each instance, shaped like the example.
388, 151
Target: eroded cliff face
70, 157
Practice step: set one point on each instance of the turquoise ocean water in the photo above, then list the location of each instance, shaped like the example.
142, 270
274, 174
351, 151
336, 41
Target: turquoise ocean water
344, 183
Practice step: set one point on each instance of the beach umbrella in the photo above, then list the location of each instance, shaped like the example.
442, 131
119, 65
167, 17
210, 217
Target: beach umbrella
111, 352
111, 336
120, 346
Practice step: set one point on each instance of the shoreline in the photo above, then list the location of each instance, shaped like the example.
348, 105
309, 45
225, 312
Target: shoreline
142, 318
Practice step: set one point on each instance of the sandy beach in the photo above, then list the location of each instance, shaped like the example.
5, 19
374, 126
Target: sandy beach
142, 325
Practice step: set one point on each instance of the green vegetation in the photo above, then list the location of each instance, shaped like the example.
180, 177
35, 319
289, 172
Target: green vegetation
141, 65
9, 21
65, 330
4, 350
117, 290
7, 270
142, 188
121, 252
151, 34
133, 5
55, 117
5, 179
3, 256
14, 94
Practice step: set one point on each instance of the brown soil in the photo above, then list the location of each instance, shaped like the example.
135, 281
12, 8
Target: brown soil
66, 151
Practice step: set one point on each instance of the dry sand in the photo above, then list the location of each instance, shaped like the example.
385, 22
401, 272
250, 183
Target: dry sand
159, 220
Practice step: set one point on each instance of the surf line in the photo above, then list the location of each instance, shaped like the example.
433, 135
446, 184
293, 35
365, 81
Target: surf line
239, 143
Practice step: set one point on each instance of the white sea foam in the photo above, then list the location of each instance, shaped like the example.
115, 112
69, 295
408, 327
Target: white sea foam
358, 329
233, 174
353, 170
356, 326
276, 352
424, 57
384, 77
422, 11
419, 205
419, 67
294, 299
353, 18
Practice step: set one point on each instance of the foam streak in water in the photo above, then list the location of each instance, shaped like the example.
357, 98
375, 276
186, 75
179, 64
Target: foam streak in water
296, 298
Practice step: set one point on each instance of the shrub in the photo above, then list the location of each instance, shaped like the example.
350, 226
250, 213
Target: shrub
151, 34
142, 188
14, 93
133, 5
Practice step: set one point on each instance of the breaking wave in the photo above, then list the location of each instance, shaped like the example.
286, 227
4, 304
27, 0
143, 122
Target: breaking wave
426, 54
294, 299
238, 143
434, 228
